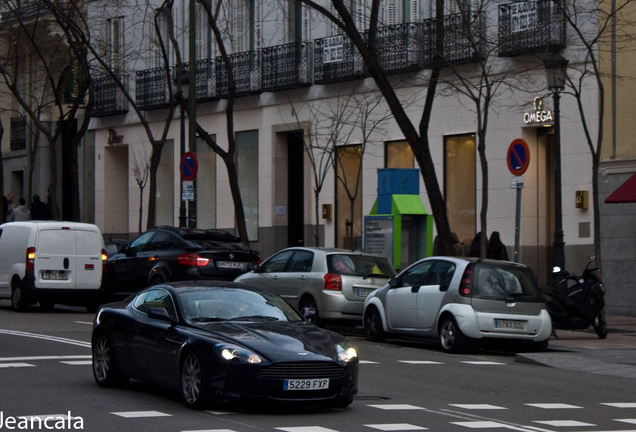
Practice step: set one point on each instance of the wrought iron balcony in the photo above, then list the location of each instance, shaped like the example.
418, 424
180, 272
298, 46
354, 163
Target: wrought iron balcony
10, 13
400, 47
246, 68
287, 66
336, 59
464, 38
204, 78
18, 133
109, 97
531, 27
152, 90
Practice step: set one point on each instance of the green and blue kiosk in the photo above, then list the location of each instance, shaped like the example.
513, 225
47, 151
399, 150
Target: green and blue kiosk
399, 227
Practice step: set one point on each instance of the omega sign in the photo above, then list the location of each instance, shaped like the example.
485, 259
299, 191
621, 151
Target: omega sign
539, 115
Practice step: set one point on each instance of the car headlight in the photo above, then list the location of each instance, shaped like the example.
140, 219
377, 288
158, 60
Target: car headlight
346, 352
235, 353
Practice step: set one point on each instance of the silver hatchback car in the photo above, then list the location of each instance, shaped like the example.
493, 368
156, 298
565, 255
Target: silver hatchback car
459, 300
332, 283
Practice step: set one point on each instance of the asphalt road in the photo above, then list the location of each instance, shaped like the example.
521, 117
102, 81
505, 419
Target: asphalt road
45, 371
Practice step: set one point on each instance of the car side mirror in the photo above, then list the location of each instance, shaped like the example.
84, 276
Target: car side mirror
253, 266
159, 314
394, 282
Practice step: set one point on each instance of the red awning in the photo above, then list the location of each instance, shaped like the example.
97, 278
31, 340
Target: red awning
626, 193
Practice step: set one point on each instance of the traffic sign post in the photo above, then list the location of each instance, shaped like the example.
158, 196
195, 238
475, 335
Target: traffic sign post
518, 161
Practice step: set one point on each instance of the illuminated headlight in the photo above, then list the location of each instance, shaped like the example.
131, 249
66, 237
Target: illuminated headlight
346, 352
230, 353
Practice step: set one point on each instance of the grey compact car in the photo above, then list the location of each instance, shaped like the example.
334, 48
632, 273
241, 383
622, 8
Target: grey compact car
332, 282
459, 300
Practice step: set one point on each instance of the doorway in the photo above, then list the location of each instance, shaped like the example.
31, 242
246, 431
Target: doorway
545, 204
295, 189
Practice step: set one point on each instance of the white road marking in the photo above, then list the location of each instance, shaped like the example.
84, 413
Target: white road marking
621, 404
212, 430
83, 322
77, 362
368, 362
395, 427
420, 362
219, 412
564, 423
307, 429
35, 358
14, 365
488, 363
46, 337
631, 421
554, 406
396, 407
478, 406
480, 424
141, 414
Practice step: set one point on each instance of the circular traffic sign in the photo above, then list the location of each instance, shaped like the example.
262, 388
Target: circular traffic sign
518, 157
188, 166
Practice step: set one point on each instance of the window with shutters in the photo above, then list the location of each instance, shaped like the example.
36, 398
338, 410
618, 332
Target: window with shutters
202, 28
114, 44
159, 38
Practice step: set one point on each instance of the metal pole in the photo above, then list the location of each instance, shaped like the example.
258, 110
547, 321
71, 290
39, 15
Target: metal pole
192, 97
559, 253
182, 206
517, 224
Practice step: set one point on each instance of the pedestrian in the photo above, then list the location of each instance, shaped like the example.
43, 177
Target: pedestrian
475, 246
5, 208
20, 213
10, 206
496, 248
39, 210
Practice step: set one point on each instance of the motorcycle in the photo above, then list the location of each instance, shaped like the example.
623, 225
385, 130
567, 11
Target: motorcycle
576, 302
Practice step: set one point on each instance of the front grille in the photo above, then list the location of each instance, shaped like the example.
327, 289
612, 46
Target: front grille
301, 370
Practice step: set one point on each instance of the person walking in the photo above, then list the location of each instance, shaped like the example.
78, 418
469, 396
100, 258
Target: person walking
10, 206
20, 213
39, 210
496, 249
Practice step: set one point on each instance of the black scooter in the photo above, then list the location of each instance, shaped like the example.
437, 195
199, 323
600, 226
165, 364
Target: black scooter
577, 305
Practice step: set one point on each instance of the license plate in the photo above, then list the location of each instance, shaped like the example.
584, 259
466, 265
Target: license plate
306, 384
507, 324
362, 292
54, 275
230, 265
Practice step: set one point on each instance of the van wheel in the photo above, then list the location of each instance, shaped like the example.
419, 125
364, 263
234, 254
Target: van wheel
19, 302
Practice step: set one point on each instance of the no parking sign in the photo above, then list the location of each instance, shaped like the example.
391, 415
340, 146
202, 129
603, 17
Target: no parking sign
518, 157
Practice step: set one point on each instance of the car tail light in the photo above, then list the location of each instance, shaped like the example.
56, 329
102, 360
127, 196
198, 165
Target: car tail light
104, 258
192, 260
30, 258
333, 282
466, 284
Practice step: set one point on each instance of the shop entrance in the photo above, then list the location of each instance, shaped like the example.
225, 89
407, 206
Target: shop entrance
295, 189
544, 205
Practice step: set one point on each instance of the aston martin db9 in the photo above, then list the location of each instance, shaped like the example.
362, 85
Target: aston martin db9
222, 342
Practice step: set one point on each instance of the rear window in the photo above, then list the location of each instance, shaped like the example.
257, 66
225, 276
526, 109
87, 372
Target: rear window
498, 282
207, 241
359, 265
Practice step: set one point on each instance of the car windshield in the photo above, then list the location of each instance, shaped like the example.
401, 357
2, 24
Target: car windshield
359, 265
235, 304
499, 282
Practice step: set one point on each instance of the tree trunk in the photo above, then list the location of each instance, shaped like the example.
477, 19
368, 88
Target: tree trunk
239, 211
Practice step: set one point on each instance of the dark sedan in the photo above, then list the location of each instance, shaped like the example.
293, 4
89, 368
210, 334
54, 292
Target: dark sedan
166, 254
222, 342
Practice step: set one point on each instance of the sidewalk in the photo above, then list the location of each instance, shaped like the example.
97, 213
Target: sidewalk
583, 351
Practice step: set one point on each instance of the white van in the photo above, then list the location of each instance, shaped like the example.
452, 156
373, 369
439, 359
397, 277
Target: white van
51, 262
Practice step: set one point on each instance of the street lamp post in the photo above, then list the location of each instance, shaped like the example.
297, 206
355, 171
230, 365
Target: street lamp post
556, 68
183, 219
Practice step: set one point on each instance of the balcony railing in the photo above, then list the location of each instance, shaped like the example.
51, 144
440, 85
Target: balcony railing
287, 66
530, 27
109, 97
336, 59
464, 38
401, 47
152, 90
246, 68
204, 78
18, 133
23, 12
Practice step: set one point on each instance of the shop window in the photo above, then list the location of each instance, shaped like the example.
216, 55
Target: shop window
348, 197
398, 154
460, 185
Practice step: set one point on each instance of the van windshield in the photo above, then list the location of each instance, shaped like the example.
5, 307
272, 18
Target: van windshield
496, 282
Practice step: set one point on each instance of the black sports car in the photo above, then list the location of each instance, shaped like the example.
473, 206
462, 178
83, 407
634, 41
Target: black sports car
222, 342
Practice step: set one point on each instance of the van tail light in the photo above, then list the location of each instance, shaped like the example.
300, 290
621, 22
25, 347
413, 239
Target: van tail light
192, 260
104, 258
333, 282
466, 284
30, 258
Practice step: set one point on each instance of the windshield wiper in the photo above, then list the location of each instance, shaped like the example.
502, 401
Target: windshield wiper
207, 319
254, 317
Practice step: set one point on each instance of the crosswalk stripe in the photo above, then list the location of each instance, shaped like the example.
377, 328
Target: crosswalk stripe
140, 414
396, 407
395, 427
478, 406
14, 365
553, 406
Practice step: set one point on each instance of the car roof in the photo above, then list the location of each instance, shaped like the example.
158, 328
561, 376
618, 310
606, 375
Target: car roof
207, 284
475, 260
326, 250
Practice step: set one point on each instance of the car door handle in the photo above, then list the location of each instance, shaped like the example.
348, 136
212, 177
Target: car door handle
302, 277
275, 277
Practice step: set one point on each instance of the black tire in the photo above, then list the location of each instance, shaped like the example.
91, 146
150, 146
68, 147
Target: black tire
157, 279
451, 338
104, 368
46, 305
600, 325
193, 390
373, 329
19, 301
93, 306
309, 303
